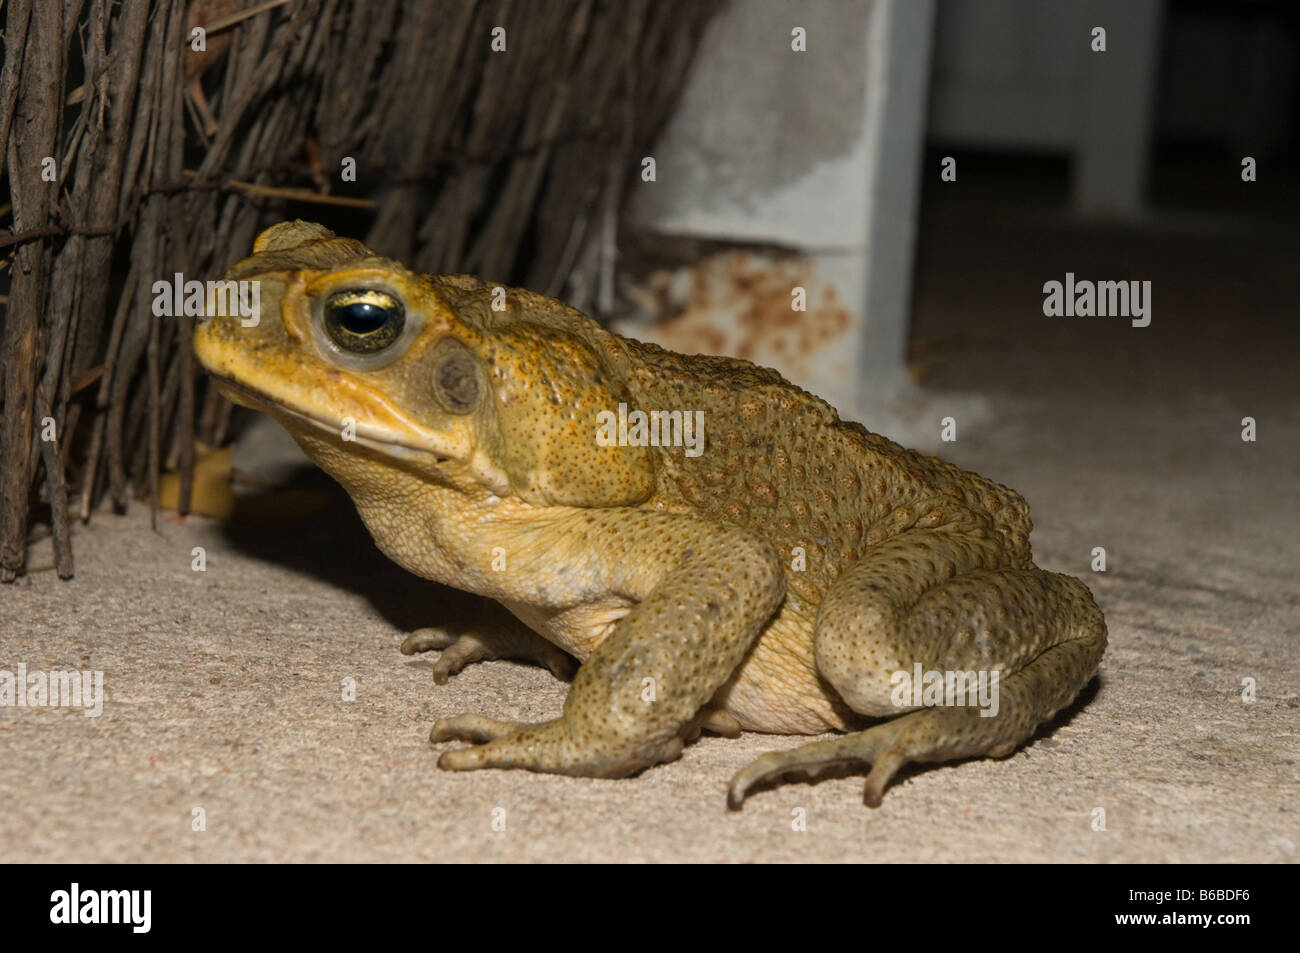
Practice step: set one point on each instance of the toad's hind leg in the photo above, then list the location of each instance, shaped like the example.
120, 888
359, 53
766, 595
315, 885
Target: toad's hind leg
1041, 632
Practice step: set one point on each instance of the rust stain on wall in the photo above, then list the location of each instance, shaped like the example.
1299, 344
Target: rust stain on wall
740, 303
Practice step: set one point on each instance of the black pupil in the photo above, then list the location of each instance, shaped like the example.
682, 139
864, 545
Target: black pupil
362, 317
364, 321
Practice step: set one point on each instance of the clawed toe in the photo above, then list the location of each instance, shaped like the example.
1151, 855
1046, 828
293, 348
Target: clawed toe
426, 640
767, 766
815, 759
881, 772
456, 656
475, 728
479, 730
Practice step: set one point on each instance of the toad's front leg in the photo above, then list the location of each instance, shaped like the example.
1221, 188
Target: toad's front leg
704, 592
495, 634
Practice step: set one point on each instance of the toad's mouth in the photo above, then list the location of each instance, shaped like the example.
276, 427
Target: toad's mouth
366, 435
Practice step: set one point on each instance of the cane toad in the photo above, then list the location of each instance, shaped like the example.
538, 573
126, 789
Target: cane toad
783, 571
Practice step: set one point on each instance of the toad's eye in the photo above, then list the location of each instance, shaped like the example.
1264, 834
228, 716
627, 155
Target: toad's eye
456, 381
363, 320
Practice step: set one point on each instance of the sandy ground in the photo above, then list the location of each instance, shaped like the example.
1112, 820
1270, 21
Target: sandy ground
224, 688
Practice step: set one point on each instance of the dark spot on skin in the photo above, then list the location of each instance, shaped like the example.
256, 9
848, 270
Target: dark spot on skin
456, 383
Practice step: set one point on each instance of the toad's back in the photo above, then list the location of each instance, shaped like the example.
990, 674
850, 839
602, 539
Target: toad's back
780, 462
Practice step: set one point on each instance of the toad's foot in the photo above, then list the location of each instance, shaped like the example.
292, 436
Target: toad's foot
878, 747
511, 639
518, 740
545, 746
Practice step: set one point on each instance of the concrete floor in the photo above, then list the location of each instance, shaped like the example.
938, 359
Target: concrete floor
223, 688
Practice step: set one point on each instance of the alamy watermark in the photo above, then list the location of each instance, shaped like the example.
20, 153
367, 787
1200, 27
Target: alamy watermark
1085, 298
951, 688
75, 905
213, 298
38, 689
655, 428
